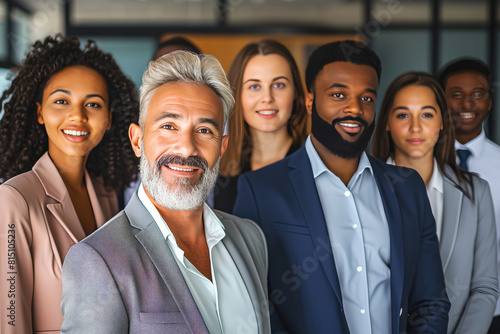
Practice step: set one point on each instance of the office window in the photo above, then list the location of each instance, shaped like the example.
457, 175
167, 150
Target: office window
185, 12
463, 43
464, 12
331, 14
20, 37
3, 31
401, 51
389, 12
4, 83
131, 53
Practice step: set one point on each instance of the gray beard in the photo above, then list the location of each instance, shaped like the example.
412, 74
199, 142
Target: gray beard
183, 194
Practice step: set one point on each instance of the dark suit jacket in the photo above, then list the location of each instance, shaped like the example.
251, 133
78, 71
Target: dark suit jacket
303, 283
226, 188
124, 279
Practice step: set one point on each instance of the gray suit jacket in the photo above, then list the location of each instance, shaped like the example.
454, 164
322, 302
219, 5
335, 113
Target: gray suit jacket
124, 279
469, 256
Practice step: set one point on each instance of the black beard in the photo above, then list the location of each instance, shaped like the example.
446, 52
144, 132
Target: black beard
329, 137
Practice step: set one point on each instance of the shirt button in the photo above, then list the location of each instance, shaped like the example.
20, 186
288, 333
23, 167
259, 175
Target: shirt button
359, 269
347, 193
363, 311
354, 226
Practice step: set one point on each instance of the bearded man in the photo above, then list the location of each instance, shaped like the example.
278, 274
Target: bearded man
352, 241
167, 263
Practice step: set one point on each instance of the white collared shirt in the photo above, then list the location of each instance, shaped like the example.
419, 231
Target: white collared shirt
485, 161
435, 193
224, 302
359, 236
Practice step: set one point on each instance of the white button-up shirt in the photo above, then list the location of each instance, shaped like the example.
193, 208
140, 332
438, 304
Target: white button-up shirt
224, 302
359, 236
435, 193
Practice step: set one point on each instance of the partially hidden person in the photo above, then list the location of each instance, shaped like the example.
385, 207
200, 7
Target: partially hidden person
269, 119
468, 86
415, 130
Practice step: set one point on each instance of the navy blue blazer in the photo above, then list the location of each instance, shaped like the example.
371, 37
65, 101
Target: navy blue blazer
303, 283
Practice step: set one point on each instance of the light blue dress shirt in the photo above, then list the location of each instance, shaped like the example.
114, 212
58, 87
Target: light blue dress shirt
224, 302
359, 236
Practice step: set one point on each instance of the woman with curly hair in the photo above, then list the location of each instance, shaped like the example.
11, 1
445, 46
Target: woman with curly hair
415, 130
64, 155
269, 120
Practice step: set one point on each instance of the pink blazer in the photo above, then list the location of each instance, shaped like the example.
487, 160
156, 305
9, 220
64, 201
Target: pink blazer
38, 225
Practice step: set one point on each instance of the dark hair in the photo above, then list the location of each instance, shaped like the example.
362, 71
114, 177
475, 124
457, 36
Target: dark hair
239, 146
179, 41
347, 51
23, 140
444, 150
462, 65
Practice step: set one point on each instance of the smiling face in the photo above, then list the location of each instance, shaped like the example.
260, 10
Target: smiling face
74, 110
342, 106
267, 93
182, 142
414, 123
343, 90
469, 102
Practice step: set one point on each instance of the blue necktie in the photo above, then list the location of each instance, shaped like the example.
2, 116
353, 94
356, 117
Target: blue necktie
463, 155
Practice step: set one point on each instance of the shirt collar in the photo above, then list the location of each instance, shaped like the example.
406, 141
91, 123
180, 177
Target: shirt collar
214, 229
436, 181
318, 167
475, 146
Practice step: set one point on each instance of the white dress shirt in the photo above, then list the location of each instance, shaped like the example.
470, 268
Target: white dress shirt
435, 193
359, 236
224, 302
485, 161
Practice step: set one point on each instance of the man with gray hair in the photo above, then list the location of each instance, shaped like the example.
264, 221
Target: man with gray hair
167, 263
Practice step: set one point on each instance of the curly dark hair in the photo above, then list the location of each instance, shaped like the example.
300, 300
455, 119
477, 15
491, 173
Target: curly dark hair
23, 140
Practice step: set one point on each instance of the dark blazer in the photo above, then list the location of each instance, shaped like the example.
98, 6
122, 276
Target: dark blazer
226, 188
124, 279
303, 283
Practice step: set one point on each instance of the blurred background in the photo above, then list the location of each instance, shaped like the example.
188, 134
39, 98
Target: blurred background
406, 34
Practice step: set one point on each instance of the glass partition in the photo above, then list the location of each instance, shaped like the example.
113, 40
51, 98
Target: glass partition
145, 12
3, 31
331, 14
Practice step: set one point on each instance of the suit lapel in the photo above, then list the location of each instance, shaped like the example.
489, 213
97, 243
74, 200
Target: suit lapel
156, 247
63, 210
452, 206
251, 280
302, 180
385, 181
65, 215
